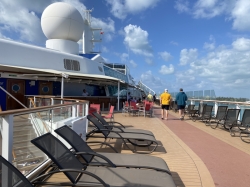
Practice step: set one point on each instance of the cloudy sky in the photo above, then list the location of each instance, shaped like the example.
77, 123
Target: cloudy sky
193, 44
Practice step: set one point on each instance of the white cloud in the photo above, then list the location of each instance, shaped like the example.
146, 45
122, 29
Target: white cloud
182, 6
121, 8
150, 80
134, 65
236, 10
209, 8
188, 56
107, 26
165, 70
136, 40
224, 68
124, 57
241, 14
211, 45
104, 49
165, 56
241, 44
24, 20
174, 43
149, 61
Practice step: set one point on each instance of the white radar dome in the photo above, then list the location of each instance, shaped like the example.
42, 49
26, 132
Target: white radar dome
62, 21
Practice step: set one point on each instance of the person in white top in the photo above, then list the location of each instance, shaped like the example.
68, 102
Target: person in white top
84, 93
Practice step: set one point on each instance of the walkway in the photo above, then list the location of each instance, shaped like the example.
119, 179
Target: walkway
196, 154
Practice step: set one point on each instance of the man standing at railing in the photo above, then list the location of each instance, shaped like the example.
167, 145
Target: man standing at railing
164, 102
180, 100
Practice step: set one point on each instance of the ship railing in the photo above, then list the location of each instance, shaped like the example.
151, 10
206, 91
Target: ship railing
216, 103
22, 125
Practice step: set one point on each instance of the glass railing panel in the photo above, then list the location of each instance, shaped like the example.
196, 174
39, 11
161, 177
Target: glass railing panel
26, 127
61, 113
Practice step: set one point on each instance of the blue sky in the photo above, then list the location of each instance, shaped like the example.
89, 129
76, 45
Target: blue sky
193, 44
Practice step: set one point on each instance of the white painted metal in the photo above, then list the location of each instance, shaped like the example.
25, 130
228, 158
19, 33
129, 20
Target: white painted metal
30, 56
62, 21
118, 98
7, 137
66, 46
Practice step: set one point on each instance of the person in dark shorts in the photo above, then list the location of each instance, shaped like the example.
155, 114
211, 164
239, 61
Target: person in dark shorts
181, 99
164, 102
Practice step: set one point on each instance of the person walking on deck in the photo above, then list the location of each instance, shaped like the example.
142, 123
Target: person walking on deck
181, 99
165, 99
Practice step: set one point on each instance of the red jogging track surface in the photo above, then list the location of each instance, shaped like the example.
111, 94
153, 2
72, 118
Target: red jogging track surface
229, 166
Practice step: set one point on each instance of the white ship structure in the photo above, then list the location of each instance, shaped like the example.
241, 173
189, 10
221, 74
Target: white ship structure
60, 69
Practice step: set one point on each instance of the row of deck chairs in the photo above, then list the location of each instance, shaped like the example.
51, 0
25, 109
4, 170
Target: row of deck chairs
85, 167
132, 108
227, 118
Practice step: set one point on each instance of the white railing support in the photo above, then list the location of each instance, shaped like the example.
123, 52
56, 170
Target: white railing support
215, 107
237, 106
7, 137
74, 110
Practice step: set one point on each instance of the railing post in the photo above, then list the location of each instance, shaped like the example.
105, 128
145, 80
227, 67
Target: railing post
87, 112
237, 106
215, 107
77, 109
73, 111
52, 111
7, 137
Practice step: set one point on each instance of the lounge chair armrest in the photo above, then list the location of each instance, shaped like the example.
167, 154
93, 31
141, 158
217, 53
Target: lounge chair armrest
98, 155
117, 123
105, 143
69, 184
113, 127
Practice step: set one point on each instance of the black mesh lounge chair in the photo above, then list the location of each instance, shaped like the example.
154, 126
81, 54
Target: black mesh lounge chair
188, 109
220, 114
81, 175
243, 125
116, 159
13, 176
137, 140
206, 113
230, 118
197, 114
110, 126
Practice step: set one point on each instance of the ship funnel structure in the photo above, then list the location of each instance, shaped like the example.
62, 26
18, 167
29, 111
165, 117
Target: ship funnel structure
63, 25
88, 39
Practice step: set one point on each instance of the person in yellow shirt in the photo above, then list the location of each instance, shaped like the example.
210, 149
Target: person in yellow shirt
165, 102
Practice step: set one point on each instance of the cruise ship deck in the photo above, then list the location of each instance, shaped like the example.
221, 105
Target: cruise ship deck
196, 154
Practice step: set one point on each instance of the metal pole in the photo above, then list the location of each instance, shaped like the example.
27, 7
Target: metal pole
62, 84
12, 96
118, 107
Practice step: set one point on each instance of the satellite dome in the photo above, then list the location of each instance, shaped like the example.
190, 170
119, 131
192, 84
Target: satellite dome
62, 21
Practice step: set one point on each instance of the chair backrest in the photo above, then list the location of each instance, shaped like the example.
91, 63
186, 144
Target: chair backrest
232, 115
126, 104
133, 105
98, 125
75, 141
97, 107
208, 110
102, 120
59, 154
111, 112
190, 107
246, 117
15, 177
147, 107
202, 108
221, 112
